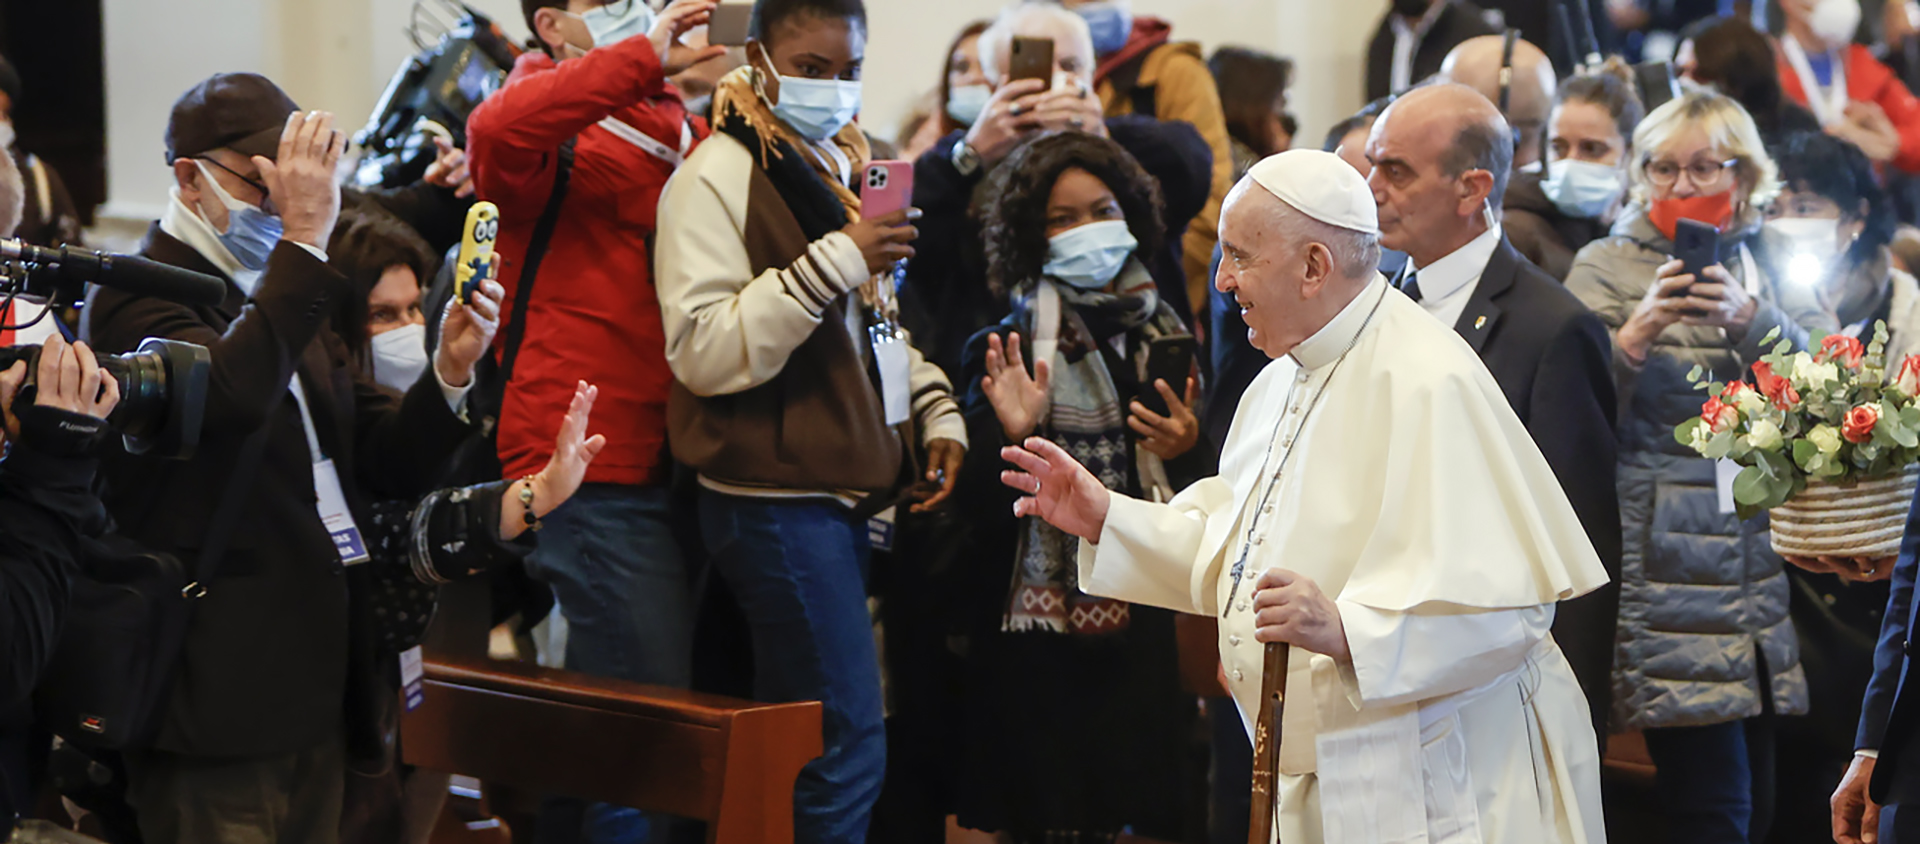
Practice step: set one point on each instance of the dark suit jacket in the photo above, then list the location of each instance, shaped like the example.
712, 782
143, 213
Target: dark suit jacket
266, 655
1461, 20
1554, 361
1887, 717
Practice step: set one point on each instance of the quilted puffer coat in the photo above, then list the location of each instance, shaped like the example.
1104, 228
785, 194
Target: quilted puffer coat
1703, 604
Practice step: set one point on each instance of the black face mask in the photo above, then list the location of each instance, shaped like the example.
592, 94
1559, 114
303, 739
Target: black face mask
1411, 8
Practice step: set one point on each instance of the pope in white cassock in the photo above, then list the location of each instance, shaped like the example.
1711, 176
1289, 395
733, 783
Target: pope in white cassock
1381, 509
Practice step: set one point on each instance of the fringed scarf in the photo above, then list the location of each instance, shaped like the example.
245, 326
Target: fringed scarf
1088, 418
818, 195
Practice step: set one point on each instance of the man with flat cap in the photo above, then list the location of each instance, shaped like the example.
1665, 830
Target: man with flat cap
252, 745
1382, 512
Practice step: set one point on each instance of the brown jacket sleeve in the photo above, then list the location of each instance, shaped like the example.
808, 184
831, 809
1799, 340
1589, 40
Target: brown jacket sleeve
255, 357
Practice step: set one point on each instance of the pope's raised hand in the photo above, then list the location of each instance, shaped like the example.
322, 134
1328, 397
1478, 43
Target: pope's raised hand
1289, 607
1056, 488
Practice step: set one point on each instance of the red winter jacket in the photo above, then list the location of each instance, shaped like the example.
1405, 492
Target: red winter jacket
594, 315
1870, 81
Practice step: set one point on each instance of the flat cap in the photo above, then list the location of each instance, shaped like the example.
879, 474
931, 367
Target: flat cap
244, 112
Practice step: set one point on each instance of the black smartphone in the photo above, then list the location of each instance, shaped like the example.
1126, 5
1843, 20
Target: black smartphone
1169, 359
1697, 245
1032, 58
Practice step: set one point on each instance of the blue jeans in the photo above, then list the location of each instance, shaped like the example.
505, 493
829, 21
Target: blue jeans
1716, 781
799, 570
621, 582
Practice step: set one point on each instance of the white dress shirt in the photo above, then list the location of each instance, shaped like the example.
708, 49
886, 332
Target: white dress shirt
1446, 286
1406, 43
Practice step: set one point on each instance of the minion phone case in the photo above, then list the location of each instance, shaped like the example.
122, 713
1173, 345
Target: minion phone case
476, 249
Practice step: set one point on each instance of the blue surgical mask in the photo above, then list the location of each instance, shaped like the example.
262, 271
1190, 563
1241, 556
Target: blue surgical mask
965, 103
1089, 256
816, 108
251, 233
1582, 188
1111, 24
617, 22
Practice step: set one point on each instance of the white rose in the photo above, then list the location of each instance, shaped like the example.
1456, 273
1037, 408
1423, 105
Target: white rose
1765, 435
1826, 438
1816, 376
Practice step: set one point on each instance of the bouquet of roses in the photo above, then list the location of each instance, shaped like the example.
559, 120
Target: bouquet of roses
1837, 415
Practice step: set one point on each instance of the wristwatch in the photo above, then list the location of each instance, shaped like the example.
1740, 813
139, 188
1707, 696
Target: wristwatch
966, 159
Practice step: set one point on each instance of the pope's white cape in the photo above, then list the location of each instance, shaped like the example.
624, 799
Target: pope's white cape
1419, 502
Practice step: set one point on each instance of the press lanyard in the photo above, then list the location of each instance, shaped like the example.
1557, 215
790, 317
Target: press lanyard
648, 144
330, 498
1829, 104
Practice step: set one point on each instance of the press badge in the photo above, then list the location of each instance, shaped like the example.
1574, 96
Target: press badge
1724, 471
413, 673
896, 371
335, 515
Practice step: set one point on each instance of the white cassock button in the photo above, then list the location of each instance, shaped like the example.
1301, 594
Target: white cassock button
1242, 607
1237, 676
1234, 640
1302, 378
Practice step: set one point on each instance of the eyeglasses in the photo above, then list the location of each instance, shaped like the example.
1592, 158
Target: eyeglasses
1664, 173
266, 196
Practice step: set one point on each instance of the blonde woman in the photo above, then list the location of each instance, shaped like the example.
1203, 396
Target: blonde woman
1707, 655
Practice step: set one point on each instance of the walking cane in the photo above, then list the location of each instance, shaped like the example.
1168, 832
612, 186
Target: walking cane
1266, 745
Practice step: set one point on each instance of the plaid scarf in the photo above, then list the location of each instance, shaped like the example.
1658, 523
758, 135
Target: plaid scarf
1088, 418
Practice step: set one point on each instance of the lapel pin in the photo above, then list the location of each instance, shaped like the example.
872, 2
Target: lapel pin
1480, 323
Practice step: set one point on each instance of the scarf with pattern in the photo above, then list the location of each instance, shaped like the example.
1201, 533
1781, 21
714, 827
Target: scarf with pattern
1088, 418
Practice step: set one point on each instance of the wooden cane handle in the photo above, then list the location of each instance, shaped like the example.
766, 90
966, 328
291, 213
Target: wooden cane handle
1266, 744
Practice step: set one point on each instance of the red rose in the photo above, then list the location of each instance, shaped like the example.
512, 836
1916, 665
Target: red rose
1778, 390
1858, 427
1732, 392
1719, 415
1845, 350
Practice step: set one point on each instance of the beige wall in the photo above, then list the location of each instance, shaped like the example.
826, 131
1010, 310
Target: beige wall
338, 55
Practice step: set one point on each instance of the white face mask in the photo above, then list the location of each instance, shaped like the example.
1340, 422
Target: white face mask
400, 356
965, 103
1835, 21
1814, 247
7, 136
1582, 188
608, 29
1089, 256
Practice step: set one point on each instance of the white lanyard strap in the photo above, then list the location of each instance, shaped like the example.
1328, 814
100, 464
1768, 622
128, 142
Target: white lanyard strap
1046, 322
1751, 273
306, 419
648, 144
1828, 103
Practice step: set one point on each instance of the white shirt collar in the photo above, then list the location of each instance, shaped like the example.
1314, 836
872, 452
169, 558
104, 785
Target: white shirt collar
187, 226
1339, 334
1460, 268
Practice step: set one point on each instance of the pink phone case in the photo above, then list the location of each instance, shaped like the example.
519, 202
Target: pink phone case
886, 187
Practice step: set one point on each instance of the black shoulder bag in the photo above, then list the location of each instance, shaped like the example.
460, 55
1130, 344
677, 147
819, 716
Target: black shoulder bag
107, 684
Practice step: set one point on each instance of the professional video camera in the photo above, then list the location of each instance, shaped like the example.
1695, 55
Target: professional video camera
163, 384
464, 57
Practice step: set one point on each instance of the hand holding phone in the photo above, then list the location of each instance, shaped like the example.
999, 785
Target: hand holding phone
475, 262
1031, 58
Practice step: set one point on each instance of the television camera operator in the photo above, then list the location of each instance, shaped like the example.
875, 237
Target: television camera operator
46, 505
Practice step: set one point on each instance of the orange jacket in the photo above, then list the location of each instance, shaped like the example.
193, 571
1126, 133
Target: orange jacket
1870, 81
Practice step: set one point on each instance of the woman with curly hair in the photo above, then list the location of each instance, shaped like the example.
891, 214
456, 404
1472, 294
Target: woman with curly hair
1077, 723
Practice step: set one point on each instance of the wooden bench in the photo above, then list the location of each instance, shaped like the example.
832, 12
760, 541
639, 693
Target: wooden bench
728, 762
